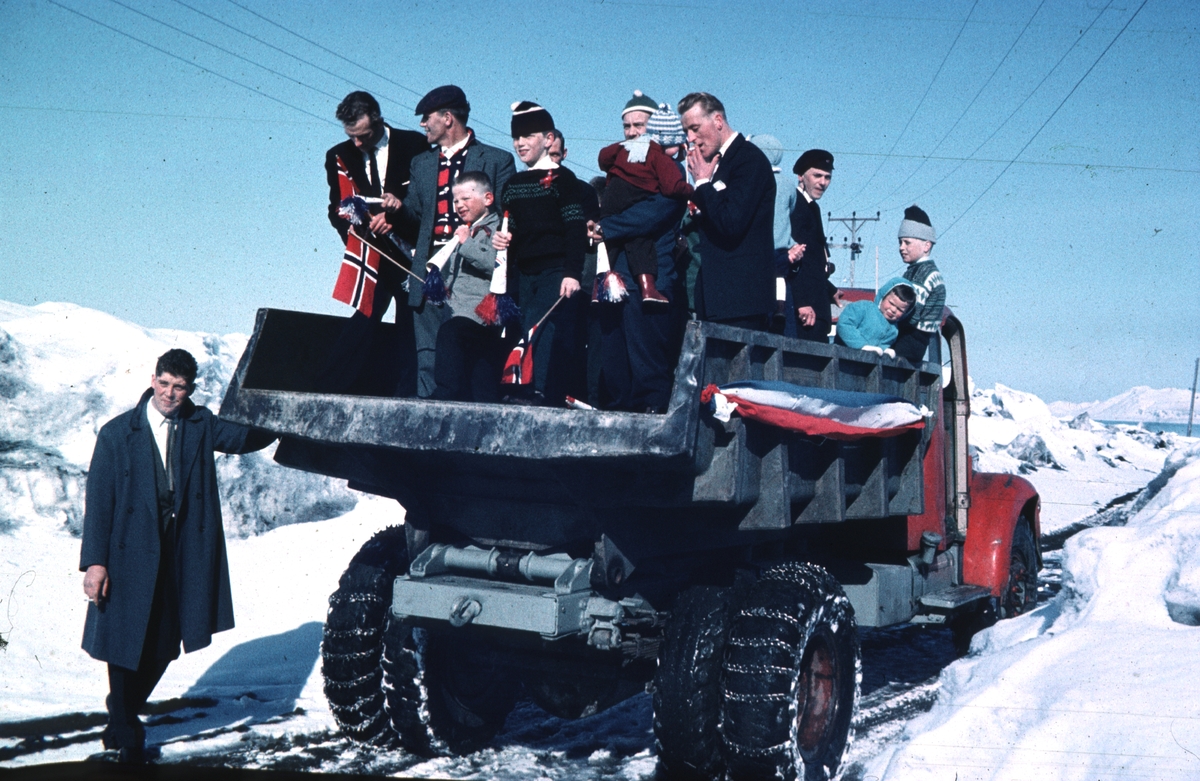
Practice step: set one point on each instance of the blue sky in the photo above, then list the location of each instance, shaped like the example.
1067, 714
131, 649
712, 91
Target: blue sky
178, 185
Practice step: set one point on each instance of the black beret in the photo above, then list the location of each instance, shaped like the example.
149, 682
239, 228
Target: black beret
813, 158
441, 99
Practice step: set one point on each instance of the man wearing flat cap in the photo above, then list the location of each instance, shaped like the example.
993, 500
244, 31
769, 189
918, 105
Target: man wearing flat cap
807, 280
429, 205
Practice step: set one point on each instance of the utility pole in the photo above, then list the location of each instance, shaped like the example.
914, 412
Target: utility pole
854, 223
1192, 406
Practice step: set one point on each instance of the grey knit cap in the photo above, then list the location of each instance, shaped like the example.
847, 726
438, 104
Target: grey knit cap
916, 225
665, 128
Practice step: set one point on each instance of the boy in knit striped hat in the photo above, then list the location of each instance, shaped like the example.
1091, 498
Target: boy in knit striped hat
917, 238
638, 169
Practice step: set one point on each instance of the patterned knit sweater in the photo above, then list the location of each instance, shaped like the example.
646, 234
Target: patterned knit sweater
931, 295
546, 211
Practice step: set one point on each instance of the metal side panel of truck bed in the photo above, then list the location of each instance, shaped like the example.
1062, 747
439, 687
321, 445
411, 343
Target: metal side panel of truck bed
475, 465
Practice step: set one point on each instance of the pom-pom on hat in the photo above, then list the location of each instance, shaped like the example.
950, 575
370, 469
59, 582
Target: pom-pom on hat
916, 225
441, 99
528, 118
665, 128
813, 158
640, 102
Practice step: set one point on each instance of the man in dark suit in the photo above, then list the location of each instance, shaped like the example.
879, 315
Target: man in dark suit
153, 542
378, 159
428, 211
735, 202
808, 259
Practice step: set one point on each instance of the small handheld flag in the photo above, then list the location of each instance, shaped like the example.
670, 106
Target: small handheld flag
435, 283
608, 287
497, 307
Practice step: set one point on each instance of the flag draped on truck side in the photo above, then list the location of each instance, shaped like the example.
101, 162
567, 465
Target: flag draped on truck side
359, 272
818, 412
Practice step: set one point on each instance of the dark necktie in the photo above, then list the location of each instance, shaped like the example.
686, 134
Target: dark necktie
170, 454
375, 173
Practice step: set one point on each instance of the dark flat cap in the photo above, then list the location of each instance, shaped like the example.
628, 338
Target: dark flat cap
813, 158
442, 98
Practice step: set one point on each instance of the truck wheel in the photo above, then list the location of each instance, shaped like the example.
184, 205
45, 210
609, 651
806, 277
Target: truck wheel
1020, 594
352, 646
687, 685
447, 694
792, 672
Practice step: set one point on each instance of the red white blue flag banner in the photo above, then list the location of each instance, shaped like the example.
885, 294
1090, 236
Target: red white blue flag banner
817, 412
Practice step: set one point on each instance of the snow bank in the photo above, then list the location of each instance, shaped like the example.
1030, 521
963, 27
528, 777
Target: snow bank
1081, 465
66, 370
1095, 684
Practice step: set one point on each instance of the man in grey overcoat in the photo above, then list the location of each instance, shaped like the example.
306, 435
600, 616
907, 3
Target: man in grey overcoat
153, 542
444, 113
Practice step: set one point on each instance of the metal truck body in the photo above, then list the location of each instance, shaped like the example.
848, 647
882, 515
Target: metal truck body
563, 539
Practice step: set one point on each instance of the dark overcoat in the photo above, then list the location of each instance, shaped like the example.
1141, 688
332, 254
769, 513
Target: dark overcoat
737, 235
121, 530
807, 279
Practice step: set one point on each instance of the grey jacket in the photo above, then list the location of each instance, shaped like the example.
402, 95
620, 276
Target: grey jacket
468, 273
421, 203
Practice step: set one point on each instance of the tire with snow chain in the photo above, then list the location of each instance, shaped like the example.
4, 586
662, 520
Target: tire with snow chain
447, 692
792, 673
687, 685
352, 644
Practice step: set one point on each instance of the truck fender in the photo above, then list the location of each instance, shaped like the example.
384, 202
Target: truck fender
997, 502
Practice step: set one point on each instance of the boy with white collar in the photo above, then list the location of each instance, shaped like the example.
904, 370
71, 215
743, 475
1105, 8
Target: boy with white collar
917, 238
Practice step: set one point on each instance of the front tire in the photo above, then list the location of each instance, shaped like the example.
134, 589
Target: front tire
792, 672
687, 685
352, 642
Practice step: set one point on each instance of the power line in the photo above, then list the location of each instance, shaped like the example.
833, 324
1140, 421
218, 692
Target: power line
58, 109
340, 56
224, 50
995, 70
1021, 105
189, 63
919, 103
1052, 115
287, 53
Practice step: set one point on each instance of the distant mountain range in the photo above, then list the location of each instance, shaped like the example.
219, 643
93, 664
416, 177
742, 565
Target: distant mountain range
1140, 403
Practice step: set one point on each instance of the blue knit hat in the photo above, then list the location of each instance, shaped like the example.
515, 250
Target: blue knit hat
665, 128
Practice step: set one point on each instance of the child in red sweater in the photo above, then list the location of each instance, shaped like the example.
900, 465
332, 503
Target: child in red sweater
641, 168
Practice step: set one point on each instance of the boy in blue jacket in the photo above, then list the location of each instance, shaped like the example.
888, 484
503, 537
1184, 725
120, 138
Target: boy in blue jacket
872, 326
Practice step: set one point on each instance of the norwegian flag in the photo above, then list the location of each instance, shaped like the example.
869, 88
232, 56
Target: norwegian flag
518, 368
359, 272
358, 275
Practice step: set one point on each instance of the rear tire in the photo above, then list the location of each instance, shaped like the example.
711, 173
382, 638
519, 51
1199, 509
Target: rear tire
352, 644
792, 673
687, 685
447, 692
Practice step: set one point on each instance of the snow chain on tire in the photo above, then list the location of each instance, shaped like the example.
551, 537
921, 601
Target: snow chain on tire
687, 685
792, 673
444, 698
352, 644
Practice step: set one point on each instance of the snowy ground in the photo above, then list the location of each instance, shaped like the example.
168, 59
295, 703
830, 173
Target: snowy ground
1093, 684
